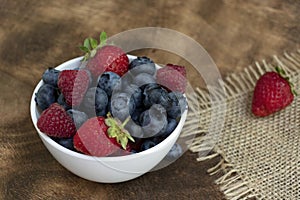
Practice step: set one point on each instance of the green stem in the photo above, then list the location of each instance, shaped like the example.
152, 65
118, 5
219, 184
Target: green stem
125, 122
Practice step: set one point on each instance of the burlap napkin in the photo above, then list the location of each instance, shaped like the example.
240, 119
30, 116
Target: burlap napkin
259, 157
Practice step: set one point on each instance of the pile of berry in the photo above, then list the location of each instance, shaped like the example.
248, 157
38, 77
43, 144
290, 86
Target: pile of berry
111, 106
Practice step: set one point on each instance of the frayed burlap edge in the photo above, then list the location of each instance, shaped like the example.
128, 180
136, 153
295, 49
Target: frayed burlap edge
232, 183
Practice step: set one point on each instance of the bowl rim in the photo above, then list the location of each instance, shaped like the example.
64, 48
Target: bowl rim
34, 110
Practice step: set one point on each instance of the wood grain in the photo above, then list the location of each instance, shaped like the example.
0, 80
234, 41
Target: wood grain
35, 35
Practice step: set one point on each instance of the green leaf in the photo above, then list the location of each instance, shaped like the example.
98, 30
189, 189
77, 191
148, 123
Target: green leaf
84, 49
103, 38
86, 43
117, 131
130, 138
93, 43
294, 92
109, 122
112, 132
123, 142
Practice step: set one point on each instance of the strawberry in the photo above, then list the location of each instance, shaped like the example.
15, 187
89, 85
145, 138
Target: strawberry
273, 92
173, 77
55, 122
101, 136
73, 84
101, 58
109, 58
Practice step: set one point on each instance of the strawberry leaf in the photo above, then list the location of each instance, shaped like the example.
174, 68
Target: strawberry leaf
112, 132
93, 42
283, 74
123, 140
109, 121
103, 38
86, 43
116, 130
90, 46
280, 71
84, 49
129, 137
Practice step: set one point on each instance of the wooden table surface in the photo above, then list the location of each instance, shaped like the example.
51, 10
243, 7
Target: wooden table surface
35, 35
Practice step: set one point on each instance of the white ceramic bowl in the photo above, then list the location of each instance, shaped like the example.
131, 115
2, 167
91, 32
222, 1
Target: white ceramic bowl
105, 169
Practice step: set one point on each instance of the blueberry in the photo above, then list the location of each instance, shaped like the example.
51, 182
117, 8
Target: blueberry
157, 140
133, 151
147, 144
126, 79
175, 152
107, 81
121, 105
154, 120
66, 142
50, 76
142, 65
95, 101
101, 102
172, 124
143, 79
155, 94
77, 116
62, 101
136, 114
177, 106
45, 96
135, 93
134, 129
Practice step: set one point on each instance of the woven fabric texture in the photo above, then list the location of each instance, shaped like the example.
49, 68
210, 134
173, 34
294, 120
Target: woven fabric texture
259, 157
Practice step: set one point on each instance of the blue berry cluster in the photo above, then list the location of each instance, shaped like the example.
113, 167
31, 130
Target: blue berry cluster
154, 111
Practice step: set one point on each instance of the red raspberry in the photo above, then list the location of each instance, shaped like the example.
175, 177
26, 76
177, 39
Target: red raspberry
73, 84
55, 122
173, 77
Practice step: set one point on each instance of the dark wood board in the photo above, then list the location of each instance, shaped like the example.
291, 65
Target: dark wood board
35, 35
